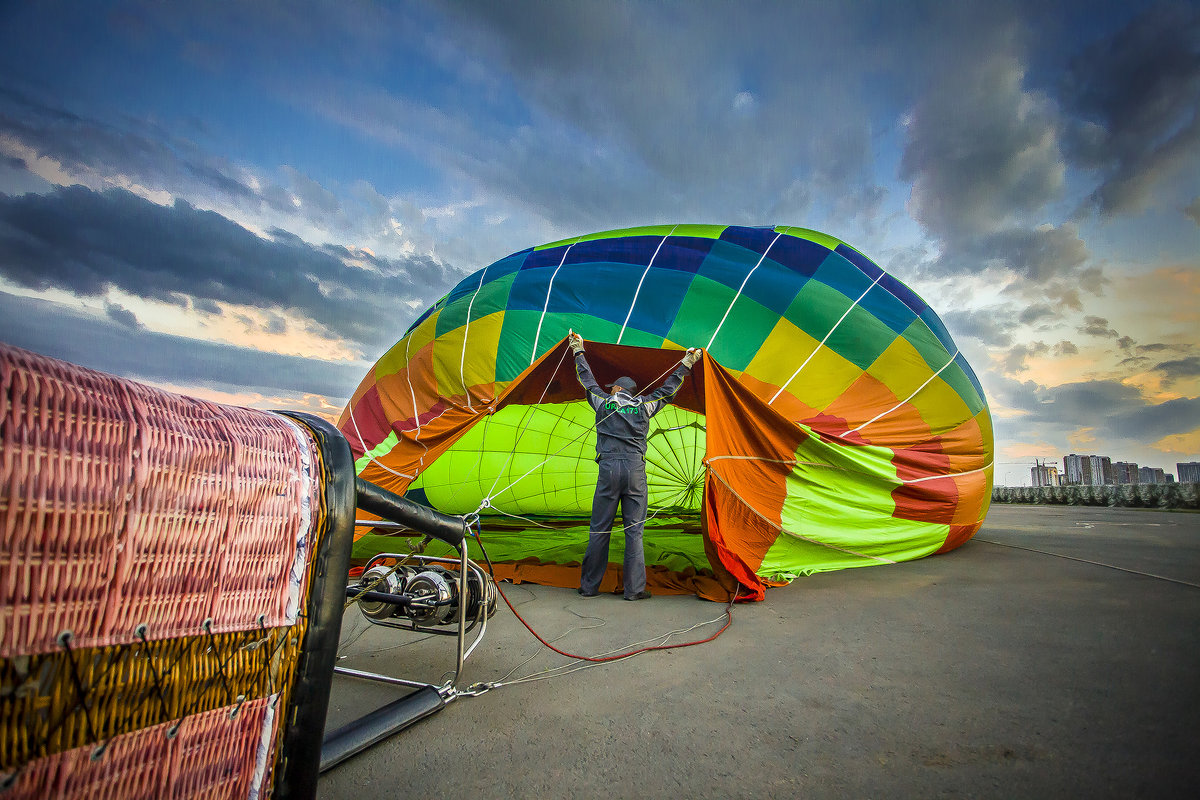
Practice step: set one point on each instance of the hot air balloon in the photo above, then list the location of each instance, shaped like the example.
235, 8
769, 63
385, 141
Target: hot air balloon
832, 422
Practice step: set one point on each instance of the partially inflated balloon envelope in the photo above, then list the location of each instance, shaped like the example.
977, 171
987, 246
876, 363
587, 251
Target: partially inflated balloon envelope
831, 423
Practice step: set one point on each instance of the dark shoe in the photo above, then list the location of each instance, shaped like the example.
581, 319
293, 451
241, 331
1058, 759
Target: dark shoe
642, 595
582, 593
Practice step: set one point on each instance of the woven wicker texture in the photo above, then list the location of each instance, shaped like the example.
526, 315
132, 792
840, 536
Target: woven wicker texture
124, 506
206, 757
155, 558
52, 703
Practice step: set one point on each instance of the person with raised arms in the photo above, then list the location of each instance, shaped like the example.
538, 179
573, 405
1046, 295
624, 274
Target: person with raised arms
622, 424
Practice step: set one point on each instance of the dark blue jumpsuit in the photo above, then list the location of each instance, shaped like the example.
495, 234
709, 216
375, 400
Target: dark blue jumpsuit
622, 423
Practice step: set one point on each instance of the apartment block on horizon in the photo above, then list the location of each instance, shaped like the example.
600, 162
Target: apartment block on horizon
1125, 472
1188, 471
1152, 475
1044, 475
1089, 470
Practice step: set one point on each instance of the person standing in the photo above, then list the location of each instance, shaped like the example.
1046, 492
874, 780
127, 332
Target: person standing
622, 424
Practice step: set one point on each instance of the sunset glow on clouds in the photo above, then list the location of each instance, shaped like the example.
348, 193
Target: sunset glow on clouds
251, 202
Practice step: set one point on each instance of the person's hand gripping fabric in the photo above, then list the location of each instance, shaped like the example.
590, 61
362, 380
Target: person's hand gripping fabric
692, 356
576, 343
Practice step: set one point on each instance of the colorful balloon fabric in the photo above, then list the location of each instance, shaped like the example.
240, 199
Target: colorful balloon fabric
831, 423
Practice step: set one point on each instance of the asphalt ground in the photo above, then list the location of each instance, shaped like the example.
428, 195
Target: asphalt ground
1057, 654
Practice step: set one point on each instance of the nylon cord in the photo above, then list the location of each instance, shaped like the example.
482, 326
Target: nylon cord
487, 500
603, 659
1093, 563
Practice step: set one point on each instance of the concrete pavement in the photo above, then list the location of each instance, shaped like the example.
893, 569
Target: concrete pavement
992, 671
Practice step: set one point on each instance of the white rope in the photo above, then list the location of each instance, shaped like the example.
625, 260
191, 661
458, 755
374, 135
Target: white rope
369, 455
823, 341
743, 286
579, 664
504, 513
487, 500
561, 636
492, 494
795, 463
549, 289
989, 465
902, 402
512, 452
882, 274
412, 393
794, 534
462, 378
639, 286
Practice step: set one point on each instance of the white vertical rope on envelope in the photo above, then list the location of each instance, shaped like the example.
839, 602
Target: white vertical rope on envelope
762, 258
639, 286
412, 393
902, 402
826, 339
367, 450
549, 289
462, 378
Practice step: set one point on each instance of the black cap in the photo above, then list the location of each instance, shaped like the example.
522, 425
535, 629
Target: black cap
625, 382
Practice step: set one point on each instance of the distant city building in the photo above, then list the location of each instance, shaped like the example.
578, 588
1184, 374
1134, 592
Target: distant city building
1152, 475
1088, 470
1188, 472
1044, 475
1095, 469
1125, 472
1073, 469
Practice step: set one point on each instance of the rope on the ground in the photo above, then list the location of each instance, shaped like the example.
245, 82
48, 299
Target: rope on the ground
605, 657
1094, 563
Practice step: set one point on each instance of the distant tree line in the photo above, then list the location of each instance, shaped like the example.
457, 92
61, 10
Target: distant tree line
1136, 495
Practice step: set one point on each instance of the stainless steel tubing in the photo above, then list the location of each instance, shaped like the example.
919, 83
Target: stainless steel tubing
381, 723
375, 676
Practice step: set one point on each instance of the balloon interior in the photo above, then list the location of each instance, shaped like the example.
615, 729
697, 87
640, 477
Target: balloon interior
831, 423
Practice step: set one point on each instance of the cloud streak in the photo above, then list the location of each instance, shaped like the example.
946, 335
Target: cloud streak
89, 242
113, 346
1133, 97
1118, 410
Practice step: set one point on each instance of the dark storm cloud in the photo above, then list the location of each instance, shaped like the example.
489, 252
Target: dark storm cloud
1097, 326
146, 154
1179, 368
54, 330
136, 149
1193, 211
88, 242
981, 151
1038, 311
991, 327
1134, 97
207, 306
121, 315
615, 113
1119, 410
276, 325
1039, 254
1065, 348
1017, 358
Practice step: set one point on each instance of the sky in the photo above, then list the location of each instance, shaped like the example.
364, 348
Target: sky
250, 202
